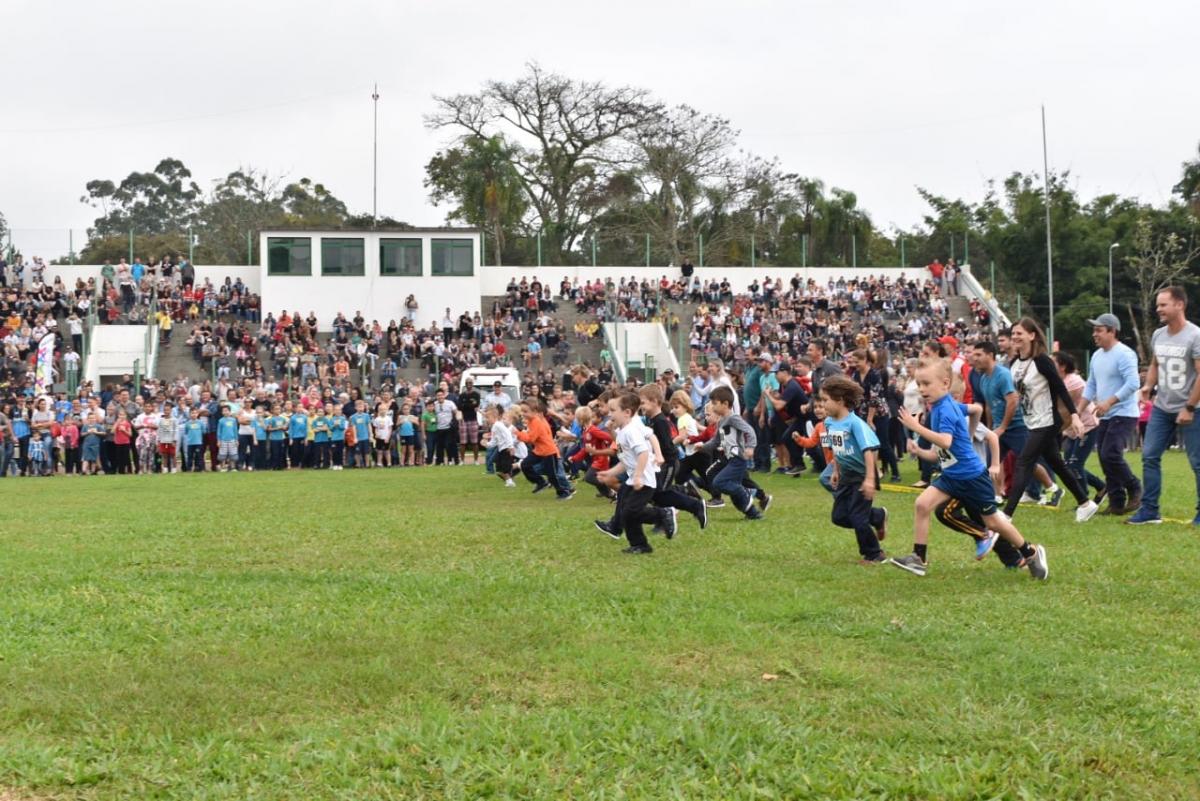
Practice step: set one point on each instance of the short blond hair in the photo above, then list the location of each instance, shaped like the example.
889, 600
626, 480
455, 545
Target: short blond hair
941, 365
682, 399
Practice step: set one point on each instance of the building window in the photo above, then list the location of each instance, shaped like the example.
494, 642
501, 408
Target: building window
342, 257
400, 257
452, 256
289, 255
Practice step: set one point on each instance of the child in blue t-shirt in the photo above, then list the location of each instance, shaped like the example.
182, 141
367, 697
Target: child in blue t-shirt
362, 435
337, 434
298, 433
227, 440
193, 437
854, 479
260, 438
277, 437
964, 476
320, 427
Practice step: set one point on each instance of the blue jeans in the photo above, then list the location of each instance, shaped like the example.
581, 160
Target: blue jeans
1160, 432
762, 447
6, 457
1076, 453
729, 481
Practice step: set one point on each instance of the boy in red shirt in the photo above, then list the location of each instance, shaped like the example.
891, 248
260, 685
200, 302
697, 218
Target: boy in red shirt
597, 448
542, 468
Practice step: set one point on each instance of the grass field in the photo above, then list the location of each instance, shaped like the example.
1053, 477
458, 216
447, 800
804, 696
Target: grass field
429, 634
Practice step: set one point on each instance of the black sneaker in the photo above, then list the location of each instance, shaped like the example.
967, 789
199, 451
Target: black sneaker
603, 526
715, 503
1101, 494
540, 487
881, 529
753, 513
568, 496
671, 524
633, 550
702, 516
764, 502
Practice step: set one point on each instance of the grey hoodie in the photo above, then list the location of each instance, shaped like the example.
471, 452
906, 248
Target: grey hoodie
735, 437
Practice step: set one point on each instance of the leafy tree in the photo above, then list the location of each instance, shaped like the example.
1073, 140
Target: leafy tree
479, 178
565, 136
165, 199
1159, 260
1189, 184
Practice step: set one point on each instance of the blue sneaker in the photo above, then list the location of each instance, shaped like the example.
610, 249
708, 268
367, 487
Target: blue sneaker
984, 546
1196, 519
1141, 518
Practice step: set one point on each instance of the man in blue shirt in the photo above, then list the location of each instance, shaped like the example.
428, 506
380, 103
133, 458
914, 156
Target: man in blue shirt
1112, 385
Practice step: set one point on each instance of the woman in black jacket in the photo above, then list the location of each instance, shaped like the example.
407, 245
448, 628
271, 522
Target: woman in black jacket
1042, 394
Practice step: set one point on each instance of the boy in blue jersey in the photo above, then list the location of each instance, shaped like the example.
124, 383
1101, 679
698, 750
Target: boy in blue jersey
227, 440
298, 434
260, 418
854, 479
337, 433
277, 436
321, 431
193, 435
964, 476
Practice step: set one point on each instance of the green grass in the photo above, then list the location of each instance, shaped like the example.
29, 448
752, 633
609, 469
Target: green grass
429, 634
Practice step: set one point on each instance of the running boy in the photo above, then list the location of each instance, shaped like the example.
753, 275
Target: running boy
636, 462
964, 476
855, 478
736, 440
666, 495
503, 442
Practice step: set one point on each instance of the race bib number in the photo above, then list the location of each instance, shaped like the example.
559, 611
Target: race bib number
838, 443
945, 458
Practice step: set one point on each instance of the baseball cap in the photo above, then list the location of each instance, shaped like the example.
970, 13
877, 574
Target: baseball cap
949, 340
765, 356
1108, 321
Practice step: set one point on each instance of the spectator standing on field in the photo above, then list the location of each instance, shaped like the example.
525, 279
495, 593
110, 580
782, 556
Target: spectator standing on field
1112, 387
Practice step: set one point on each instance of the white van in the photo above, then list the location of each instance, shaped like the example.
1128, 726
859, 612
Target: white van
484, 377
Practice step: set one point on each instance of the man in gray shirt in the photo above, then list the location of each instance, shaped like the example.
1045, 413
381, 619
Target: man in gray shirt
1174, 363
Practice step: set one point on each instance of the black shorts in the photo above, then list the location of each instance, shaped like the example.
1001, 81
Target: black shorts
381, 444
976, 494
504, 462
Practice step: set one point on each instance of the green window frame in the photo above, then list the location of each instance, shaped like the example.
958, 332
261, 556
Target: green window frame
289, 255
452, 257
343, 256
402, 257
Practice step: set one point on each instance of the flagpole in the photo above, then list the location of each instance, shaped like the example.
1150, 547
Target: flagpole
375, 161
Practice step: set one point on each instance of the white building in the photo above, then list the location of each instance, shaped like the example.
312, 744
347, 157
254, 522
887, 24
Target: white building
372, 272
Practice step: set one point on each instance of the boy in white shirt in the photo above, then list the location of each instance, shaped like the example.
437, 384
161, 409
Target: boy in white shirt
382, 425
637, 463
502, 442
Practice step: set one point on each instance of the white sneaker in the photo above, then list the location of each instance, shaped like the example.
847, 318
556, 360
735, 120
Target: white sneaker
510, 483
1085, 511
1027, 498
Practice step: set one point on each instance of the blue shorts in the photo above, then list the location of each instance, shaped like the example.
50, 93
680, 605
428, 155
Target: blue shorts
976, 494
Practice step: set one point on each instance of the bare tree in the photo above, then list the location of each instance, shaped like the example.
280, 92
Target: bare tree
1158, 262
566, 135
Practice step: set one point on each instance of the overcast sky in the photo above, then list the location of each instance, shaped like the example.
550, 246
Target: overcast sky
877, 97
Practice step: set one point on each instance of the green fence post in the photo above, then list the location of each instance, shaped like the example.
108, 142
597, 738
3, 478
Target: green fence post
701, 250
952, 246
647, 250
137, 376
593, 250
71, 246
191, 246
967, 246
131, 246
903, 261
854, 251
539, 247
804, 250
249, 249
1018, 304
482, 247
752, 260
993, 269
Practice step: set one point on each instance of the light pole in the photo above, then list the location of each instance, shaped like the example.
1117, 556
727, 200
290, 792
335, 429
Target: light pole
375, 162
1111, 248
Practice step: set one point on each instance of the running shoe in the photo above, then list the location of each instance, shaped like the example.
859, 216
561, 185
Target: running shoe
764, 502
671, 523
912, 563
604, 527
1142, 518
984, 545
881, 529
1027, 498
1086, 511
702, 516
1051, 497
715, 503
1039, 568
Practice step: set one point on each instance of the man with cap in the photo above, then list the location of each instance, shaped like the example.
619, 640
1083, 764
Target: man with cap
1112, 385
788, 404
1174, 365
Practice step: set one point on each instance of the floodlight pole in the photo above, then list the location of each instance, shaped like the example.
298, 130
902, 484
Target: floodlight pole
375, 161
1111, 248
1046, 190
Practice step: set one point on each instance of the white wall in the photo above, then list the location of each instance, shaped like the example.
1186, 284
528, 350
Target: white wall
495, 279
215, 273
378, 297
642, 339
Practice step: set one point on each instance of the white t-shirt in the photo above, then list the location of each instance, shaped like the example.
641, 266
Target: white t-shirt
383, 427
502, 437
1037, 404
632, 441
